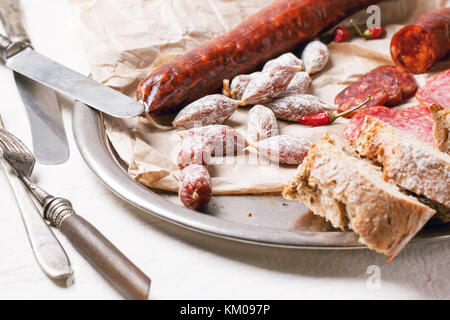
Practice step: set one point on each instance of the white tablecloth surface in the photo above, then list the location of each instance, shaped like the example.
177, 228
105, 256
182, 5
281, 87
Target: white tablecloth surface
182, 264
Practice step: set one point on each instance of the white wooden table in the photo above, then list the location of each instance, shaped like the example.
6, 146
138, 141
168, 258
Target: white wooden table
181, 263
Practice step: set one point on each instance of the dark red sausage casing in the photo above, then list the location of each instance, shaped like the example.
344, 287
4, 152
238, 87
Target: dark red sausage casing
277, 29
194, 186
418, 46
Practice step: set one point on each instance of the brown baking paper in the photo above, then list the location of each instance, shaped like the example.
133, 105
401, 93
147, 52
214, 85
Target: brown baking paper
124, 40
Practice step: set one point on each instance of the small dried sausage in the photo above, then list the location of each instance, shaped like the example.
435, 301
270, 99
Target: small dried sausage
199, 144
300, 83
261, 123
212, 109
284, 149
240, 83
288, 60
194, 186
295, 106
315, 56
268, 85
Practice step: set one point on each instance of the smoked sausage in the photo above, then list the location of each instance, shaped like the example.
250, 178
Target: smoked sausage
277, 29
418, 46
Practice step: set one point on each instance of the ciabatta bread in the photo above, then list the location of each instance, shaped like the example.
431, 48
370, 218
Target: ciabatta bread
441, 127
349, 191
405, 161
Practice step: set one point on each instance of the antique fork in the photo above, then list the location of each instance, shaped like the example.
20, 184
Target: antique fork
98, 250
47, 250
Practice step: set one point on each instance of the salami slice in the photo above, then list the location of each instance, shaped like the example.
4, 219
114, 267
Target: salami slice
436, 90
413, 120
356, 93
388, 85
388, 80
408, 82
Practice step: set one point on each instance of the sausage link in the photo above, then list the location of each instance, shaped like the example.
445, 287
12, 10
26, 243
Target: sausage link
284, 149
194, 186
200, 143
419, 46
277, 29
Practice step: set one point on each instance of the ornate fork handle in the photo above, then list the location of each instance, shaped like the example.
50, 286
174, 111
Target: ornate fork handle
98, 250
56, 210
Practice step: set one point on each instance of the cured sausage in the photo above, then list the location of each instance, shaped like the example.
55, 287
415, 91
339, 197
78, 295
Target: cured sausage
284, 149
387, 85
436, 90
413, 120
194, 186
200, 143
288, 60
261, 123
212, 109
315, 56
277, 29
268, 85
295, 106
418, 46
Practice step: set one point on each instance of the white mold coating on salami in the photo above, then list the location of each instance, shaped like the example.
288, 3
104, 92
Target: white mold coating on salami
261, 123
211, 109
194, 186
300, 83
288, 60
284, 149
292, 107
268, 85
315, 56
240, 83
198, 144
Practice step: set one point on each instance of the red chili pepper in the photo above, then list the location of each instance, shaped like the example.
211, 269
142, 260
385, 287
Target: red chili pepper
325, 118
374, 33
341, 34
371, 33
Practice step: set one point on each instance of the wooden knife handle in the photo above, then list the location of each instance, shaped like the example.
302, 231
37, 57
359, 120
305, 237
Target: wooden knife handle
99, 251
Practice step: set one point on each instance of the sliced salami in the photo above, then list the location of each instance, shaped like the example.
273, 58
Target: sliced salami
387, 85
413, 120
408, 82
356, 93
389, 81
436, 90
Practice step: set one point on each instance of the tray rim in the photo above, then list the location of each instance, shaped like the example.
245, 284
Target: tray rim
92, 142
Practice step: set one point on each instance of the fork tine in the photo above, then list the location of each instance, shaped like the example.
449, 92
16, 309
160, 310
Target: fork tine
6, 142
14, 142
17, 154
17, 143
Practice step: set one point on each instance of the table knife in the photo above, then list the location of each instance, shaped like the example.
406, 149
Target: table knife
50, 144
20, 57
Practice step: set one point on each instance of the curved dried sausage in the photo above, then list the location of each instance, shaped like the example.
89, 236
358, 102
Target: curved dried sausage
279, 28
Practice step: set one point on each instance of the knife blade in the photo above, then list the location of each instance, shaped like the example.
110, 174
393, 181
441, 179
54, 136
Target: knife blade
24, 60
49, 138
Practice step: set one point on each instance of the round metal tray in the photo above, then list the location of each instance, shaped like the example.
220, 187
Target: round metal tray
261, 219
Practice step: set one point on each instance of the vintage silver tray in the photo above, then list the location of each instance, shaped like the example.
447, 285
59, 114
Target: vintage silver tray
265, 220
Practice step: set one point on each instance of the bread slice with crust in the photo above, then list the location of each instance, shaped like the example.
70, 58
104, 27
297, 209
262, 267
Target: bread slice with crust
348, 191
441, 127
405, 161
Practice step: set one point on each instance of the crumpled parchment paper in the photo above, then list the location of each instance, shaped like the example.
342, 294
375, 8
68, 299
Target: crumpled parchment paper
124, 40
